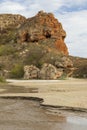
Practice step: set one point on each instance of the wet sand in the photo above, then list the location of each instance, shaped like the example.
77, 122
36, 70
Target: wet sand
63, 93
22, 114
62, 105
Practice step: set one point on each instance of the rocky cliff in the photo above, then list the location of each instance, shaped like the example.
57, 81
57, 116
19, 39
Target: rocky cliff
7, 20
34, 48
41, 28
9, 23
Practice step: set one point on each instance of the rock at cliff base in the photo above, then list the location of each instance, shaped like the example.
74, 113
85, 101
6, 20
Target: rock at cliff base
31, 72
48, 71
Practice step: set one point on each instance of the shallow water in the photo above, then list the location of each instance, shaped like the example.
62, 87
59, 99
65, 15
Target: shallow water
16, 114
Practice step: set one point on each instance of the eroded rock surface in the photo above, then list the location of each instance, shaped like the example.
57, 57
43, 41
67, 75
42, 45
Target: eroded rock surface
7, 20
48, 71
31, 72
41, 27
36, 42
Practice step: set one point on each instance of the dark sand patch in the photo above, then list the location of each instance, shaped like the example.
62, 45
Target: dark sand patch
16, 114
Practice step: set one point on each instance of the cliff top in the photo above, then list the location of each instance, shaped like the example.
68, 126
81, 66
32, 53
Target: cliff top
10, 19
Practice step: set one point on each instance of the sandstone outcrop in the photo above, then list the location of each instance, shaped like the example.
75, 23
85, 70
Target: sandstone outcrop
48, 71
31, 72
65, 63
37, 45
7, 20
41, 27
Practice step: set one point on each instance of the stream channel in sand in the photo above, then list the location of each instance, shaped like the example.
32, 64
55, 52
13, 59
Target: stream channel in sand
22, 114
18, 113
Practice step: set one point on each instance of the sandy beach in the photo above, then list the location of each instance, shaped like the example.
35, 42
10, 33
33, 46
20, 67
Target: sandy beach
70, 93
23, 114
43, 104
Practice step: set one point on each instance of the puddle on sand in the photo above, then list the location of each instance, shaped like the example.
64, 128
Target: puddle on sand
16, 114
32, 90
77, 120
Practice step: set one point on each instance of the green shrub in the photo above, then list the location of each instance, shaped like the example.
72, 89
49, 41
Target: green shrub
35, 55
63, 77
81, 72
51, 58
8, 35
6, 50
39, 54
17, 71
2, 79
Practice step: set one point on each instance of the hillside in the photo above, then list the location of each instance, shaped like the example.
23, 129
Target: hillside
81, 67
34, 48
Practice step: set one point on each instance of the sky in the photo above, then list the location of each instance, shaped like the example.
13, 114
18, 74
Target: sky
71, 13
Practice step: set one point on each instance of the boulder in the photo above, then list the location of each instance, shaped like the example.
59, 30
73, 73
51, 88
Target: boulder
67, 63
48, 71
64, 63
31, 72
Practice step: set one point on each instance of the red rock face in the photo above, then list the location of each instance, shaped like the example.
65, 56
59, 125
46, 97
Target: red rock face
41, 27
61, 46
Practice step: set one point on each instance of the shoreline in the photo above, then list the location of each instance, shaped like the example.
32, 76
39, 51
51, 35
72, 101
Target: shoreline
40, 100
70, 94
23, 113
